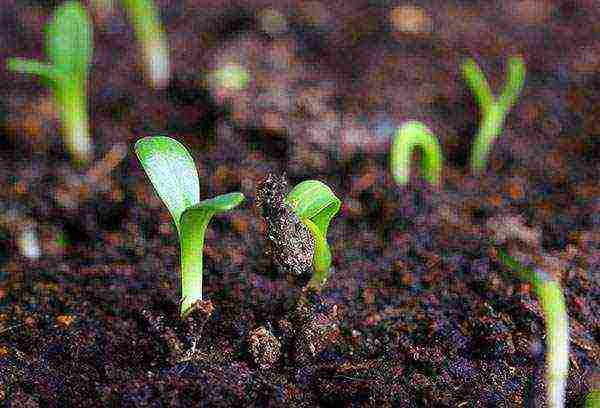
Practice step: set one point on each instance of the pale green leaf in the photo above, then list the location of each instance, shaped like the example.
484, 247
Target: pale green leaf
314, 200
172, 171
69, 39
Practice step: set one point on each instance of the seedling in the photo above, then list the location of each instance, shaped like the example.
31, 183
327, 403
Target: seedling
173, 174
493, 110
145, 17
552, 302
316, 204
69, 48
410, 135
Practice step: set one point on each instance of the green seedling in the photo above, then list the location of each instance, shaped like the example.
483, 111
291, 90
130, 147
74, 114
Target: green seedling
173, 174
493, 109
316, 204
145, 17
69, 48
552, 302
410, 135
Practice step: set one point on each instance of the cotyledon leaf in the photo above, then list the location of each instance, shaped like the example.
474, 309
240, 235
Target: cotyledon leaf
69, 39
314, 200
172, 171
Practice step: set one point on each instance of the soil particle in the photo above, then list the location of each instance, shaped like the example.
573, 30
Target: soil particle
289, 242
264, 347
197, 316
165, 333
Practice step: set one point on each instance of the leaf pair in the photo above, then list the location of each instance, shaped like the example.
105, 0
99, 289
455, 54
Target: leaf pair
173, 174
68, 44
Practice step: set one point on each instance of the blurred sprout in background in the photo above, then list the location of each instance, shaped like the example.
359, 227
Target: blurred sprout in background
69, 46
145, 17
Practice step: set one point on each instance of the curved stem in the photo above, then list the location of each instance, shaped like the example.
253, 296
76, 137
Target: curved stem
321, 257
409, 136
194, 221
552, 302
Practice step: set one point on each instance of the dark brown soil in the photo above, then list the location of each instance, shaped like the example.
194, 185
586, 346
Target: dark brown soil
418, 311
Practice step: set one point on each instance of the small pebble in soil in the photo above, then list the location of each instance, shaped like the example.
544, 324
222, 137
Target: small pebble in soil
290, 244
264, 347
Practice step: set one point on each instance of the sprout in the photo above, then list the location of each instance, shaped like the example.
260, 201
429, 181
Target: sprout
69, 48
231, 77
145, 18
593, 399
410, 135
173, 174
493, 110
553, 305
316, 204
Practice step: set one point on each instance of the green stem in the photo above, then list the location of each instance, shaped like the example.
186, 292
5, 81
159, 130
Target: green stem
491, 125
557, 341
552, 302
148, 29
191, 237
71, 98
321, 257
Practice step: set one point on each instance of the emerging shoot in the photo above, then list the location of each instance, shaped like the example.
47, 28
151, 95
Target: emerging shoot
493, 110
316, 204
173, 174
69, 48
552, 302
410, 135
150, 33
231, 77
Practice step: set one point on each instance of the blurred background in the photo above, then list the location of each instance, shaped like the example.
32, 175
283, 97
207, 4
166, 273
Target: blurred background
315, 89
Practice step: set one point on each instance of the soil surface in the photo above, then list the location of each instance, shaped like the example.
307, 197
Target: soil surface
418, 310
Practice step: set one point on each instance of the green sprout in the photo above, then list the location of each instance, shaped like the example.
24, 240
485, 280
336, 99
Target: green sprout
150, 33
593, 399
316, 204
410, 135
493, 110
231, 77
173, 174
69, 47
552, 302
